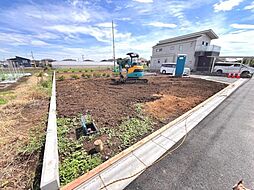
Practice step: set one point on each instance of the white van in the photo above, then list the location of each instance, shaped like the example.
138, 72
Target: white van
169, 68
233, 68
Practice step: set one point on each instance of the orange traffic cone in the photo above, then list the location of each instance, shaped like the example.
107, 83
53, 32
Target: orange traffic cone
238, 75
229, 75
233, 76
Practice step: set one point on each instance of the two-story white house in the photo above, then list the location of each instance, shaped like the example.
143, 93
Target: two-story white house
197, 46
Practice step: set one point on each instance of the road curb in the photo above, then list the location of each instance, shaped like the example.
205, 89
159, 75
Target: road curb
136, 158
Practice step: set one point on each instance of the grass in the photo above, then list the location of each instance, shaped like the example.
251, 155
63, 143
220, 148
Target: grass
45, 83
61, 78
76, 70
75, 161
133, 128
3, 101
6, 96
36, 141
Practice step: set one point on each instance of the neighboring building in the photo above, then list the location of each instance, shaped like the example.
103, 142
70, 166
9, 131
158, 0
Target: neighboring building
20, 61
35, 63
80, 64
197, 46
46, 62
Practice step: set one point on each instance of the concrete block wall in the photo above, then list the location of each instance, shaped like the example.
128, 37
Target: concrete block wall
50, 172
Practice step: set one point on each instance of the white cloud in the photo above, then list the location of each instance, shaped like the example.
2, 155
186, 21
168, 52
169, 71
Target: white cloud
106, 24
236, 43
249, 7
144, 1
38, 43
226, 5
102, 35
162, 25
243, 26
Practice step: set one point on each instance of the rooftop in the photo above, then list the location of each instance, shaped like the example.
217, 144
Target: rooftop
209, 33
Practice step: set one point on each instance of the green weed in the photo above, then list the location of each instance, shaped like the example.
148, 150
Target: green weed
3, 101
133, 128
75, 77
61, 78
35, 143
74, 159
76, 165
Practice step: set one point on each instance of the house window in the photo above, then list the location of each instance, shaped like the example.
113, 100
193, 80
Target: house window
203, 42
172, 47
159, 50
180, 48
206, 43
159, 61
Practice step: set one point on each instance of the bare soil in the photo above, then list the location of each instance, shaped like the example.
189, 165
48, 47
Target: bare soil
25, 111
164, 98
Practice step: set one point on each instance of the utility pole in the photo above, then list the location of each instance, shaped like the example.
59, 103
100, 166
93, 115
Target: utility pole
32, 55
114, 55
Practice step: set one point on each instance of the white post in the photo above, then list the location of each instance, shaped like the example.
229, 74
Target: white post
214, 59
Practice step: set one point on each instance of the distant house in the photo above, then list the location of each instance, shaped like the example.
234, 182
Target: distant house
197, 46
35, 63
20, 61
46, 62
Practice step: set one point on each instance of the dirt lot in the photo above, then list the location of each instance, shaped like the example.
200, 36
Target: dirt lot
124, 114
22, 128
165, 98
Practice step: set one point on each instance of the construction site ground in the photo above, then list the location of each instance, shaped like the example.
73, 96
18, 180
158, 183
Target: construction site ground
23, 116
162, 100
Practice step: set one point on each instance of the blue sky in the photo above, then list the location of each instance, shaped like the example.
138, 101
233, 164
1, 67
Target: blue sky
62, 29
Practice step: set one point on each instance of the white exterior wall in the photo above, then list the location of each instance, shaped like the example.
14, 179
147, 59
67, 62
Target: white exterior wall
169, 54
189, 47
204, 38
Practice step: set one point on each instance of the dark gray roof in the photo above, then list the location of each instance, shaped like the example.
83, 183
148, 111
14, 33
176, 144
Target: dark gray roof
209, 33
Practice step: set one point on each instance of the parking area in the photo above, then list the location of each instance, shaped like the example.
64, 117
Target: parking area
221, 79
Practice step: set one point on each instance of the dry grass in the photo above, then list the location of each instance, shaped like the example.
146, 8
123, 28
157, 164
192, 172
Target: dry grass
25, 110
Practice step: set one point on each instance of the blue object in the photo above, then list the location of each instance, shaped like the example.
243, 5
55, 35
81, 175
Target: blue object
180, 63
88, 128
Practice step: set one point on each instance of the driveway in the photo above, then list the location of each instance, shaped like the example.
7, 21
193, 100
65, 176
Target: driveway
216, 154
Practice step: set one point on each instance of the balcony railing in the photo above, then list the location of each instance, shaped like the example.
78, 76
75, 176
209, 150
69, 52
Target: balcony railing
213, 48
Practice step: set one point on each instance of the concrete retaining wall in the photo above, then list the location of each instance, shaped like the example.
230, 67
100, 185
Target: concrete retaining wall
50, 172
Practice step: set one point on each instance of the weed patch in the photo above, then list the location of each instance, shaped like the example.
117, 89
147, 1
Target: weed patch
3, 101
75, 161
131, 129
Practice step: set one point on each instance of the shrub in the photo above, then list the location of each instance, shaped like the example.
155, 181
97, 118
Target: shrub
97, 75
65, 71
61, 78
88, 75
108, 75
91, 70
75, 77
86, 71
72, 71
104, 74
83, 75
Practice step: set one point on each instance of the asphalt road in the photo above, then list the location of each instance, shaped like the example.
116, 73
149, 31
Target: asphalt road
217, 153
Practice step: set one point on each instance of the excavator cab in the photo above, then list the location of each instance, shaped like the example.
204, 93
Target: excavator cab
134, 70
